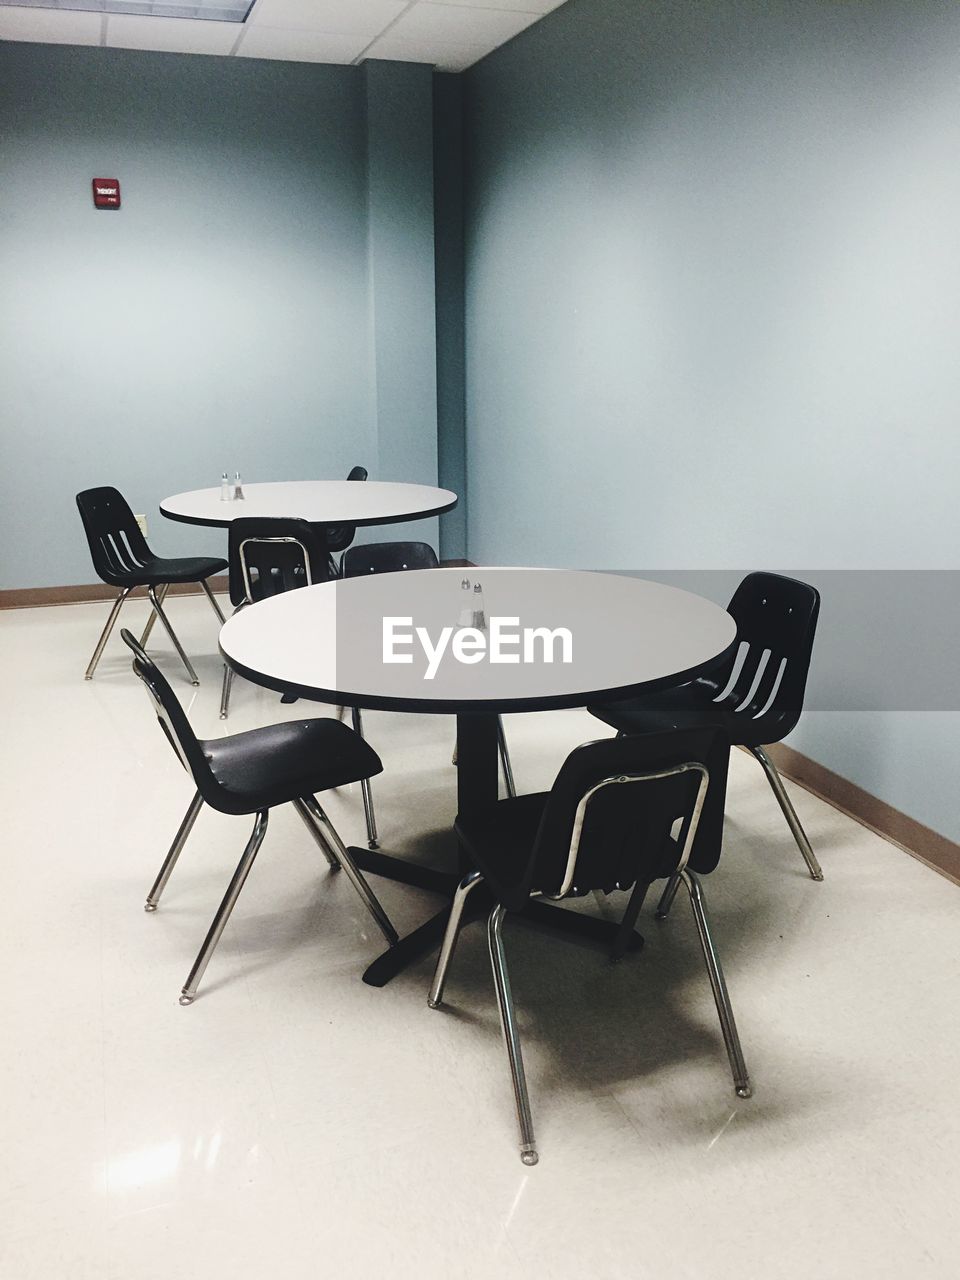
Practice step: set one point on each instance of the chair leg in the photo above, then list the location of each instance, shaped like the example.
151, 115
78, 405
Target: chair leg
162, 593
505, 759
738, 1067
228, 674
308, 822
105, 633
189, 992
622, 939
470, 881
213, 601
170, 861
667, 897
366, 789
793, 822
351, 870
511, 1036
158, 606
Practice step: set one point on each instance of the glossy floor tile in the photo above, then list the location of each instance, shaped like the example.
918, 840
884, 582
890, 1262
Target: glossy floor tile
295, 1122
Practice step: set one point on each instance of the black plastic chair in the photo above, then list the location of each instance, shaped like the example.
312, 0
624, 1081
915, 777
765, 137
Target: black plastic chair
758, 698
254, 772
622, 813
396, 557
268, 556
122, 558
339, 536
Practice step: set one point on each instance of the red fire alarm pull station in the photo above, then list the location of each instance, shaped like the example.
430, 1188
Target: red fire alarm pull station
106, 193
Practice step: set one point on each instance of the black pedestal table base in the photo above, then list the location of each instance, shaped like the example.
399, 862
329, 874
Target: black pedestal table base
428, 936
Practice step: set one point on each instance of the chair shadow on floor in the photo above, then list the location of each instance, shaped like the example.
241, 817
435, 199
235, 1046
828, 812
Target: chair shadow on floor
600, 1028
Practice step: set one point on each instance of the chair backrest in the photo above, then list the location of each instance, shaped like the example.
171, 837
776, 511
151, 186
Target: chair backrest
339, 536
270, 555
776, 621
173, 721
387, 557
118, 548
630, 808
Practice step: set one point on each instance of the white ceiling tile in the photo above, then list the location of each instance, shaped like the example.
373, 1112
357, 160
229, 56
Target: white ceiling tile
49, 26
300, 46
445, 57
459, 24
171, 35
521, 6
332, 17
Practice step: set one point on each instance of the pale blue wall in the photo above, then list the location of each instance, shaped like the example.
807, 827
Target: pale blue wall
221, 318
398, 100
712, 271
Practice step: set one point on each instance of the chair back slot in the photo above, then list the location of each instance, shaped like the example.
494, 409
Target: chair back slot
739, 659
752, 672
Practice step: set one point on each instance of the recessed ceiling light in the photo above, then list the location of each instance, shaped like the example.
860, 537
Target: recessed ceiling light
208, 10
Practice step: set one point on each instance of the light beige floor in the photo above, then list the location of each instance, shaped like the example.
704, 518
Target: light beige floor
296, 1123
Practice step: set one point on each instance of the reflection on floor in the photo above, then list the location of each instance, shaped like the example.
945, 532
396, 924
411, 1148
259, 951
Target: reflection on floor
296, 1123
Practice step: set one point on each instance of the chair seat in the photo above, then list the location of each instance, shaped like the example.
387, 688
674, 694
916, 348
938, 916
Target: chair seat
159, 570
689, 707
281, 762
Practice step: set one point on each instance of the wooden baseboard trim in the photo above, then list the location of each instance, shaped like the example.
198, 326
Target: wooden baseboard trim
38, 597
921, 842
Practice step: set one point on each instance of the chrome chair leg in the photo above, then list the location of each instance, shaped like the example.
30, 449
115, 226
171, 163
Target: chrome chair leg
170, 861
793, 822
511, 1036
366, 789
158, 606
350, 868
228, 674
622, 939
505, 759
315, 831
667, 897
162, 593
189, 992
469, 882
105, 633
738, 1067
213, 601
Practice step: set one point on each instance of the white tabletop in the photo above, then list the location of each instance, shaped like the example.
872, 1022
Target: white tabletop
326, 642
331, 502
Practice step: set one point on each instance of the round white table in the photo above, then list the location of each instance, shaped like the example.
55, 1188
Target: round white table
328, 643
328, 502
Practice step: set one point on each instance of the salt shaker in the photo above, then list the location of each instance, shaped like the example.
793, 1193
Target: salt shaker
466, 604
